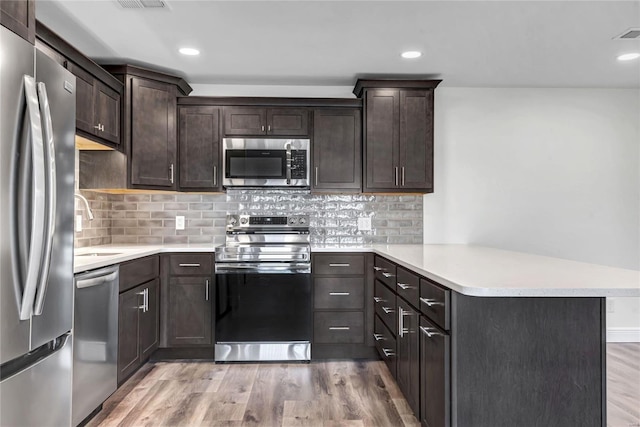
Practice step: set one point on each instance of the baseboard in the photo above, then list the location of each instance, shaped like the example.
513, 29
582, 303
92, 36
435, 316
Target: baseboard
623, 334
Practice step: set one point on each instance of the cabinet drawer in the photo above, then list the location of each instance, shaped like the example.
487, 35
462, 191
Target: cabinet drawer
338, 264
408, 286
190, 264
133, 273
434, 303
385, 271
385, 305
385, 344
331, 327
338, 293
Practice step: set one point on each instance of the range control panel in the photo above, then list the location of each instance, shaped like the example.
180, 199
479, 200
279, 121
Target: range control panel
283, 222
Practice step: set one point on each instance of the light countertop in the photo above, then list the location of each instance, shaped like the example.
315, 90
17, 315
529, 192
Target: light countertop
469, 270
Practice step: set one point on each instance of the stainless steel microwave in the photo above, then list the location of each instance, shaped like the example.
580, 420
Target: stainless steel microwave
263, 162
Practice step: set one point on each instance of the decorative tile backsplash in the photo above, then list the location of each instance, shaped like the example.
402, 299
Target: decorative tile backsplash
150, 218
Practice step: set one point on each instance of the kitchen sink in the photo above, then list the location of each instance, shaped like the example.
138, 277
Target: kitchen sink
101, 254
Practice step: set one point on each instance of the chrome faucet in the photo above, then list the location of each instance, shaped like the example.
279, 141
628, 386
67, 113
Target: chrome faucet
86, 205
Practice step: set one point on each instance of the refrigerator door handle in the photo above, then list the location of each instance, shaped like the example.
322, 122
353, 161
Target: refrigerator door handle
50, 167
37, 205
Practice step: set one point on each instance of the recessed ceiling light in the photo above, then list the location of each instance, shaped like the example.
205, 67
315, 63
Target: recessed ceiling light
411, 54
189, 51
629, 56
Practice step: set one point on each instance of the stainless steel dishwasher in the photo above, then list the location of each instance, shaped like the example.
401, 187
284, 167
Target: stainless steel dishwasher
95, 340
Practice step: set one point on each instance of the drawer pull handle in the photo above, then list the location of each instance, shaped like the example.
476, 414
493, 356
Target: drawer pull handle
189, 265
339, 294
377, 268
339, 328
378, 299
388, 352
405, 286
379, 337
387, 275
431, 302
430, 332
388, 310
339, 265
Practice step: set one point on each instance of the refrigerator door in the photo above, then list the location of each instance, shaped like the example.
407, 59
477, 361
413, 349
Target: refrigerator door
41, 394
55, 290
16, 61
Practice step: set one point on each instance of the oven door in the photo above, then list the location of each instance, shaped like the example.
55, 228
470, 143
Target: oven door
262, 317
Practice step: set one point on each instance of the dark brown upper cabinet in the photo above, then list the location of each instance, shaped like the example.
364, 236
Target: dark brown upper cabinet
97, 108
337, 150
398, 134
149, 126
199, 148
20, 17
261, 121
98, 93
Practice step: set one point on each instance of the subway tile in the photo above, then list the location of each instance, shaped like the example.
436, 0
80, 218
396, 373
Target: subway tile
137, 214
151, 206
201, 239
176, 206
175, 239
149, 223
200, 206
150, 240
185, 198
163, 198
122, 206
137, 197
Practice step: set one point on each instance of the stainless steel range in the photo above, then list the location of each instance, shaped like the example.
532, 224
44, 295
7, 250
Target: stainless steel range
263, 290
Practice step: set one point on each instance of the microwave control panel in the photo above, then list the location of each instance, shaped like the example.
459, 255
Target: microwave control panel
298, 164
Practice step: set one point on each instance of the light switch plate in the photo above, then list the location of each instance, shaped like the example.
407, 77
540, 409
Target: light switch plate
364, 224
78, 223
179, 222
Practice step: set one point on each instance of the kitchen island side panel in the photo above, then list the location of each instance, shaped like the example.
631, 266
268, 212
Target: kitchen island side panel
528, 362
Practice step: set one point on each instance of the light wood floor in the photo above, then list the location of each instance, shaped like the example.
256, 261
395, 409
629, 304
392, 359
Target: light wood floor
332, 393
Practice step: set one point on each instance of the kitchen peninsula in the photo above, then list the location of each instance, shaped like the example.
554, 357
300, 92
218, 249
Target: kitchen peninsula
524, 335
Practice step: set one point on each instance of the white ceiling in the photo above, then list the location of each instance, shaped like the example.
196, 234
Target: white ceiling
465, 43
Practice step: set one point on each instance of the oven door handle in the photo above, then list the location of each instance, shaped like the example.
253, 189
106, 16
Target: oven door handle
265, 268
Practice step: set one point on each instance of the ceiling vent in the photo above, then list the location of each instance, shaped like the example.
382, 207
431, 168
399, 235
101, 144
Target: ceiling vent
630, 34
142, 4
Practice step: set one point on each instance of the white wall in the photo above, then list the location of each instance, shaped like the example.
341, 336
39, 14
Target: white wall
547, 171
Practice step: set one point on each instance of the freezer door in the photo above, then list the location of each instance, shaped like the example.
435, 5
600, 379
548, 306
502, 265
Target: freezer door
55, 291
16, 61
39, 396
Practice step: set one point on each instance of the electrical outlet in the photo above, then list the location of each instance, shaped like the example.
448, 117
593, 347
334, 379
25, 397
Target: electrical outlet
78, 223
364, 224
179, 222
610, 306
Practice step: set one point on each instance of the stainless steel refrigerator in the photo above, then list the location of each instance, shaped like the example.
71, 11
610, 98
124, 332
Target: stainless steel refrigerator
37, 126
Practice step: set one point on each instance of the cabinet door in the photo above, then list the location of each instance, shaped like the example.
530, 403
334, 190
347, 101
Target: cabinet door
382, 157
408, 348
199, 145
153, 134
242, 121
416, 139
107, 112
190, 305
85, 92
150, 320
337, 147
129, 309
288, 121
434, 376
20, 17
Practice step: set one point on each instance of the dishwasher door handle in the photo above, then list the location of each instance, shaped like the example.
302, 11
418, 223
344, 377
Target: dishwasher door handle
109, 276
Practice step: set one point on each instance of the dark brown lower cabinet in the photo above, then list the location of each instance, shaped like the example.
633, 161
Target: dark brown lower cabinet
408, 354
138, 327
190, 309
434, 375
188, 296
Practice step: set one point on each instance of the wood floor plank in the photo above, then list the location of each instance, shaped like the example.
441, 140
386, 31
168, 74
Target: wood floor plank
336, 393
